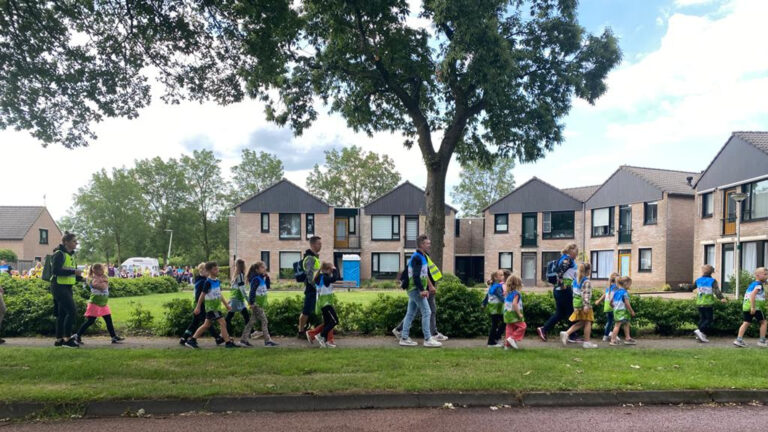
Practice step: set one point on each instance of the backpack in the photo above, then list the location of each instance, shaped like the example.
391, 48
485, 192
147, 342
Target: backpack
48, 268
551, 272
403, 280
298, 271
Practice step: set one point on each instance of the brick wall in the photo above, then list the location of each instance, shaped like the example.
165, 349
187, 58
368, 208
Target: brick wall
680, 227
30, 247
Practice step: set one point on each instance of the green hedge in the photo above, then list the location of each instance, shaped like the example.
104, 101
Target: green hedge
117, 287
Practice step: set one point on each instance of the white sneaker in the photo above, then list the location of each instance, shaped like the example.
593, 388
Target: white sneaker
512, 343
762, 344
699, 335
330, 344
618, 339
432, 343
740, 343
606, 338
257, 334
440, 337
321, 341
588, 345
396, 333
564, 338
407, 342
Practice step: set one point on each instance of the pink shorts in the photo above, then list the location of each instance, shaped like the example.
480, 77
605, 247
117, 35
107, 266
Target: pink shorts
94, 310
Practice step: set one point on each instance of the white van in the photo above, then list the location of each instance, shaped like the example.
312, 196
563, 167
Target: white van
141, 264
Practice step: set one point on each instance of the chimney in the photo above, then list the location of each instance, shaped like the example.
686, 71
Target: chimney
689, 179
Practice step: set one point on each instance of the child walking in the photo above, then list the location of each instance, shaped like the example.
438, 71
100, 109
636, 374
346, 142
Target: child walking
97, 305
324, 282
622, 310
754, 308
257, 298
199, 318
583, 315
237, 301
706, 291
513, 312
606, 299
494, 303
212, 299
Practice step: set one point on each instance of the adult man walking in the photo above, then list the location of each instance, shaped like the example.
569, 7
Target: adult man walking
311, 265
423, 274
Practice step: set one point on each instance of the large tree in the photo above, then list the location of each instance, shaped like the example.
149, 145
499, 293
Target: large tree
206, 193
486, 77
253, 174
352, 177
480, 185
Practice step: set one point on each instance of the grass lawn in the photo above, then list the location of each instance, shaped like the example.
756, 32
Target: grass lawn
59, 375
122, 306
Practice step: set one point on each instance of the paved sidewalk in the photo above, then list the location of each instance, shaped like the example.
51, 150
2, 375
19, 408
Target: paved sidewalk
530, 342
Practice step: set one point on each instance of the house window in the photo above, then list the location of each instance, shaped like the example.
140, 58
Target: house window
265, 222
385, 227
753, 255
457, 228
709, 255
265, 259
546, 258
290, 226
286, 264
756, 204
646, 264
385, 265
505, 260
707, 205
602, 264
602, 222
352, 225
557, 225
501, 223
43, 236
310, 222
651, 213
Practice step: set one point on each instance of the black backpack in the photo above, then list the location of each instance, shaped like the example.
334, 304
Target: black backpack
403, 280
298, 271
48, 268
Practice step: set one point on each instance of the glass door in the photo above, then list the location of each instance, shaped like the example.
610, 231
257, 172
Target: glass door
625, 257
728, 266
529, 229
625, 224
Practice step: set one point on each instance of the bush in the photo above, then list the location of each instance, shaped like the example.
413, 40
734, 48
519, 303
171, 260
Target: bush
459, 310
744, 281
178, 315
139, 318
142, 286
8, 255
31, 313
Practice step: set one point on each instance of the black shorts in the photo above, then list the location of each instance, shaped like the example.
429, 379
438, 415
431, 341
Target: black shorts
213, 315
310, 300
748, 317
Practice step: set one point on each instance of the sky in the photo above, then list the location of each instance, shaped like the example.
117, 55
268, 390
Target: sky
693, 72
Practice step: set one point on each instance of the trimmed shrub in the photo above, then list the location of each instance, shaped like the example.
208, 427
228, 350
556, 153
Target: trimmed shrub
139, 318
31, 313
8, 255
459, 310
178, 315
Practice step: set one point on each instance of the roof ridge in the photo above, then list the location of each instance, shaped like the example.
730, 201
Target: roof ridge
579, 187
660, 169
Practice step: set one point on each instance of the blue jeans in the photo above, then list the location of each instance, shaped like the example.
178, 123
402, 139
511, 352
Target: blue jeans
608, 323
417, 302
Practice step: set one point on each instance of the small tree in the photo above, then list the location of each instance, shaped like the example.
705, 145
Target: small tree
352, 177
480, 185
253, 174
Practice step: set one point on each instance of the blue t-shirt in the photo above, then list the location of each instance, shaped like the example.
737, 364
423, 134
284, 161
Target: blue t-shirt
618, 299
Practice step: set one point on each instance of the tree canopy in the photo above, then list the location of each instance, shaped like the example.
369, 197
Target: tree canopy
492, 77
480, 185
352, 177
253, 174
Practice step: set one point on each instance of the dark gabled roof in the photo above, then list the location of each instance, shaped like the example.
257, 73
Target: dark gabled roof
750, 162
283, 197
670, 181
581, 193
533, 196
15, 221
406, 199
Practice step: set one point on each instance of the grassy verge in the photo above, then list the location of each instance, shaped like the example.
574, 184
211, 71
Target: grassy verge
58, 375
121, 307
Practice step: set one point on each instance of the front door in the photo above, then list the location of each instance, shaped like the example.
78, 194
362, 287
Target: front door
729, 218
341, 233
624, 263
528, 268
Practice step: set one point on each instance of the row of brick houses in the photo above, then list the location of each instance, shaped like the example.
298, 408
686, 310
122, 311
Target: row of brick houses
658, 226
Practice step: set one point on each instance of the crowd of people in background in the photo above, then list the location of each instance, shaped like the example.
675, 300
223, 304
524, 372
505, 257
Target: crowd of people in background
182, 274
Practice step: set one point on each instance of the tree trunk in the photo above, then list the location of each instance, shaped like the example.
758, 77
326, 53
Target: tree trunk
205, 238
435, 197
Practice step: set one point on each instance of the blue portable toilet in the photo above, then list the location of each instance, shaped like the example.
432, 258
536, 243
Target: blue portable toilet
351, 269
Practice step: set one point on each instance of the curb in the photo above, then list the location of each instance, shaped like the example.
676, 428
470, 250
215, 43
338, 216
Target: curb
305, 402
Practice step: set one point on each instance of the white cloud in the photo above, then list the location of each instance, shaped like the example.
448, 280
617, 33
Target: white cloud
686, 3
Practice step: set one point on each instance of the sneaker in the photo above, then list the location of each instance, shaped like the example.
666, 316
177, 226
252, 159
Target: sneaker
257, 334
182, 341
432, 343
321, 340
58, 343
588, 345
704, 338
191, 343
512, 343
498, 345
762, 344
407, 342
698, 335
617, 343
397, 333
629, 341
576, 340
244, 342
330, 344
76, 337
542, 335
606, 339
610, 335
230, 344
70, 344
440, 337
269, 343
220, 340
564, 338
117, 339
740, 343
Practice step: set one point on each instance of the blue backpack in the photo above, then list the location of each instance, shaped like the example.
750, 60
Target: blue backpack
552, 268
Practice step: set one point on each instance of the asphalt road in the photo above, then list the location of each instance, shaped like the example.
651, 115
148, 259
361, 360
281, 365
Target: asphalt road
609, 419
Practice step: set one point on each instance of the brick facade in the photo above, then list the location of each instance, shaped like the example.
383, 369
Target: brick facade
29, 247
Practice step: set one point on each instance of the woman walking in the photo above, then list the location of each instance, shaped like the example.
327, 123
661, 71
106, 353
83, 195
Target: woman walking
563, 290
